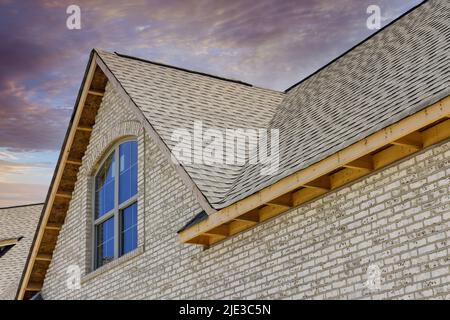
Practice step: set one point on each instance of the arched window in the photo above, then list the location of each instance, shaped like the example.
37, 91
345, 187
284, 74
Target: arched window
115, 216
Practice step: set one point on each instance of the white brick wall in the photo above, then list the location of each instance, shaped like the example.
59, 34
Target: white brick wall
397, 219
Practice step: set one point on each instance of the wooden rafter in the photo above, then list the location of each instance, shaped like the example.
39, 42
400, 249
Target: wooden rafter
34, 286
322, 183
412, 140
418, 131
84, 128
43, 257
363, 163
74, 162
96, 93
284, 201
53, 226
64, 194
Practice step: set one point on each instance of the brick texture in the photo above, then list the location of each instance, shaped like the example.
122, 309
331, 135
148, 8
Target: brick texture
397, 219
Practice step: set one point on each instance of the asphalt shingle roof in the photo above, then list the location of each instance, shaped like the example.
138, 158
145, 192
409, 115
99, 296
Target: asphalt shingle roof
400, 70
173, 99
16, 222
397, 72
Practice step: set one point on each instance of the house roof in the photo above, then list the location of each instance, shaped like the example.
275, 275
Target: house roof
395, 73
398, 71
18, 226
172, 98
401, 70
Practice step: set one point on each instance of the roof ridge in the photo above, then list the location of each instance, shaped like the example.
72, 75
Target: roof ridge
185, 70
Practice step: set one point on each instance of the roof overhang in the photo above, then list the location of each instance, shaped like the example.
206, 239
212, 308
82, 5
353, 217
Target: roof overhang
77, 138
412, 134
63, 181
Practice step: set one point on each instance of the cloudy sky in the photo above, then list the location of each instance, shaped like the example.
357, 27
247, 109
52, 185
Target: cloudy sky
268, 43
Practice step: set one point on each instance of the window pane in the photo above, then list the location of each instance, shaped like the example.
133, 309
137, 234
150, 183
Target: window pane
129, 229
105, 242
128, 170
104, 187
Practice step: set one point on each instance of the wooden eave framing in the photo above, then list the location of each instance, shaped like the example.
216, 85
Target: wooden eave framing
63, 183
411, 134
70, 159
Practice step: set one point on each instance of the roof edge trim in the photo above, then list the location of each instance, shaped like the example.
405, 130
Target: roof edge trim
403, 138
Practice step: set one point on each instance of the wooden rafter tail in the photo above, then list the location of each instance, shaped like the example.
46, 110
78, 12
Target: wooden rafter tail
285, 201
363, 163
413, 140
84, 128
34, 286
321, 183
44, 257
404, 138
53, 226
64, 194
96, 93
74, 162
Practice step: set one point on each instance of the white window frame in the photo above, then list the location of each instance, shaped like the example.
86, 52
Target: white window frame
118, 208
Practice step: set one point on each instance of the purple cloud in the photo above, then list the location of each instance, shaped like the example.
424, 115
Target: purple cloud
269, 43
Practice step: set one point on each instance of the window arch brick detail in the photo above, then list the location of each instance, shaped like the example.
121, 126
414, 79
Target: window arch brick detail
101, 148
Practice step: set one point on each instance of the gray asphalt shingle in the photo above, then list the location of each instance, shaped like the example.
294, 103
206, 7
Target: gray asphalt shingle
395, 73
16, 222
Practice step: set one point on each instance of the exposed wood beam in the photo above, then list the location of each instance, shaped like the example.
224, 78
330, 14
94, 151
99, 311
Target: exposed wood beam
34, 286
268, 212
96, 93
201, 240
222, 230
64, 194
74, 162
306, 194
239, 225
413, 140
391, 154
363, 163
250, 217
346, 175
278, 205
322, 183
283, 201
436, 133
53, 226
43, 257
84, 128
